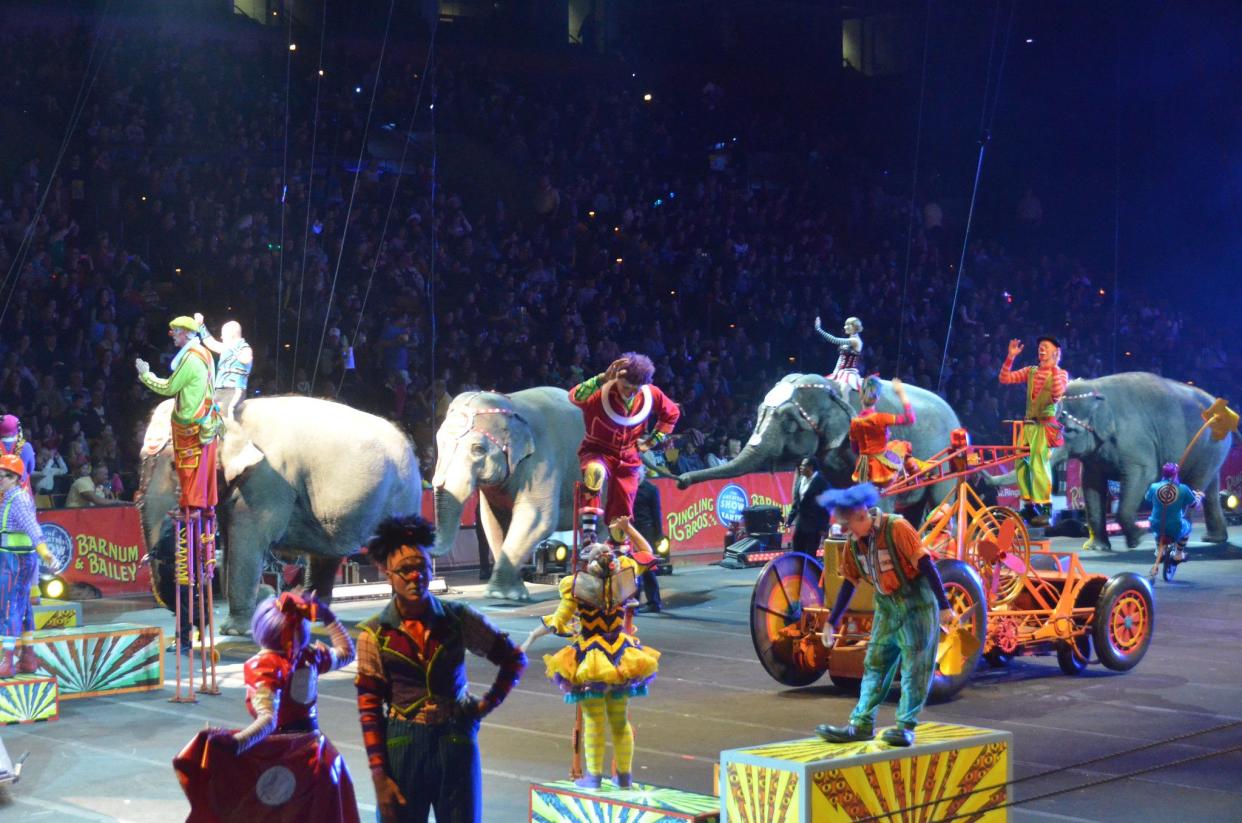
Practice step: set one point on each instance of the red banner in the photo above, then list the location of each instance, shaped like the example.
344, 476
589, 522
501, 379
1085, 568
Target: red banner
697, 519
100, 546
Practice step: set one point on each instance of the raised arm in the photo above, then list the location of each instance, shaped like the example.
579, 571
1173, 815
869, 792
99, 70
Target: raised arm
854, 341
208, 341
1007, 375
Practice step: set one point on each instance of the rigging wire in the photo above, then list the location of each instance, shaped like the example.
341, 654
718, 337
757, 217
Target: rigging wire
986, 119
1117, 199
12, 277
284, 196
914, 188
310, 192
362, 149
405, 147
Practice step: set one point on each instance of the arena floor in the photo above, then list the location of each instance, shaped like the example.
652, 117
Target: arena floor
109, 758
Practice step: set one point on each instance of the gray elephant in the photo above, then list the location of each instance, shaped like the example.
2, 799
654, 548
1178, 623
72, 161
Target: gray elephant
520, 452
804, 415
300, 474
1125, 427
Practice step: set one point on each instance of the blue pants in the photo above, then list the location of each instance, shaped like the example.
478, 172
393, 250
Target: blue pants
1183, 531
436, 767
17, 574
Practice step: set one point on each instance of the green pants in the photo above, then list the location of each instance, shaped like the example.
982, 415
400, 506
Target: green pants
905, 631
1035, 471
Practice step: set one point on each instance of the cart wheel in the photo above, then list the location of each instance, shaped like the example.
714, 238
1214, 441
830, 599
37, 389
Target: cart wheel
1069, 662
997, 658
786, 586
1124, 621
964, 591
1005, 527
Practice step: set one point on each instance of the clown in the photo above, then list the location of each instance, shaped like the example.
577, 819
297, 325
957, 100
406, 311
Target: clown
616, 407
21, 547
13, 442
195, 418
880, 460
605, 665
885, 550
1169, 500
848, 371
1045, 386
281, 694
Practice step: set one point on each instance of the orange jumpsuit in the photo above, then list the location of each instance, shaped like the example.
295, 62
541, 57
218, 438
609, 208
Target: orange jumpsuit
879, 459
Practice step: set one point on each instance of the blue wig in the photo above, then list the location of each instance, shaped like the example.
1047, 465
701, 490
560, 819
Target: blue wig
861, 496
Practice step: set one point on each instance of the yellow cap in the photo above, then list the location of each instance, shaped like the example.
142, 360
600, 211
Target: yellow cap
183, 322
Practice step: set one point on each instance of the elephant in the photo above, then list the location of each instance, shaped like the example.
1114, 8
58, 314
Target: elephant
804, 415
520, 452
1125, 427
300, 474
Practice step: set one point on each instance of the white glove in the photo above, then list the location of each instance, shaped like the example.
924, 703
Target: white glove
828, 636
141, 365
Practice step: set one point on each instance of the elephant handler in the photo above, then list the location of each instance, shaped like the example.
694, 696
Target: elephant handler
233, 370
616, 407
195, 418
1045, 386
885, 550
420, 724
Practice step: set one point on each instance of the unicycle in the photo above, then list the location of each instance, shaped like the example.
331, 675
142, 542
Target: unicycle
1166, 560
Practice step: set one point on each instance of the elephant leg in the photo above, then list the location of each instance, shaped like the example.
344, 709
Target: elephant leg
321, 576
251, 532
1134, 481
1213, 516
530, 524
1095, 497
495, 524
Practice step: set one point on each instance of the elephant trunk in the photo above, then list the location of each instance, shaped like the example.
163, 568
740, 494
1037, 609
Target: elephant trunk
449, 505
751, 458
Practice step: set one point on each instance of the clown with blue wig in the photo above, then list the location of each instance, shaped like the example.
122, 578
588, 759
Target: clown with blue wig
885, 550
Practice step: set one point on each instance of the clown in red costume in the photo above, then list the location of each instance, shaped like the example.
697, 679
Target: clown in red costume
617, 408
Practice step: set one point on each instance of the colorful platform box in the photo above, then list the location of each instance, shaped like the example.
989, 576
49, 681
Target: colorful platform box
57, 614
951, 771
28, 698
563, 802
113, 658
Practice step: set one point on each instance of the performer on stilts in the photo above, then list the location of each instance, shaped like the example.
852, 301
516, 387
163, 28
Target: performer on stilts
1045, 386
616, 407
605, 665
880, 460
885, 550
13, 442
195, 422
21, 548
221, 781
848, 372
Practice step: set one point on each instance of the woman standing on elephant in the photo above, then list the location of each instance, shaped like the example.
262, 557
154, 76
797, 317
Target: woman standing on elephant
616, 406
605, 665
1045, 386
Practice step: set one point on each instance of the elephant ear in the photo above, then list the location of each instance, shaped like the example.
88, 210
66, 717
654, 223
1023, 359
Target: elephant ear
834, 420
159, 429
521, 440
238, 454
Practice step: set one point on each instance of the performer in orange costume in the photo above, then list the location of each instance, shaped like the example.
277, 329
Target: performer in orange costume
880, 459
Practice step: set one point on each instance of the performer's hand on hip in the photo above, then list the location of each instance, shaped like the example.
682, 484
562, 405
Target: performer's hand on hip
1015, 347
387, 796
141, 365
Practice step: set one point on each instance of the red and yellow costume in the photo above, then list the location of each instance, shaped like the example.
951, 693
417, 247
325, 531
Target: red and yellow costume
879, 459
613, 428
1045, 386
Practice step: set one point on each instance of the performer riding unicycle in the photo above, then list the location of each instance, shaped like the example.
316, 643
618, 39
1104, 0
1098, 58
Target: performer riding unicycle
616, 407
1169, 500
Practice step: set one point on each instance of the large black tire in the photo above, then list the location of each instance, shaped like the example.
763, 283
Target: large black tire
964, 590
1069, 662
785, 586
1124, 621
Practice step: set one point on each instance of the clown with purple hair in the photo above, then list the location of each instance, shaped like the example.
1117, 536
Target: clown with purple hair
1169, 499
223, 782
605, 664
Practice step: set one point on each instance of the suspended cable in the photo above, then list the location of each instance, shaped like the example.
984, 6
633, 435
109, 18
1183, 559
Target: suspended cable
392, 201
310, 191
12, 277
284, 197
988, 118
366, 128
431, 277
1117, 201
914, 189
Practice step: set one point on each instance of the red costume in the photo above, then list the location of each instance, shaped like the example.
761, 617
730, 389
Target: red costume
612, 434
879, 459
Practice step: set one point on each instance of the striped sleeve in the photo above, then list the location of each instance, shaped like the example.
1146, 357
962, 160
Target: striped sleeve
1009, 377
1060, 380
372, 689
485, 640
22, 517
582, 392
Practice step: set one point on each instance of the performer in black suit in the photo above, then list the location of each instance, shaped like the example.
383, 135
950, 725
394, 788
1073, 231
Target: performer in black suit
806, 517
